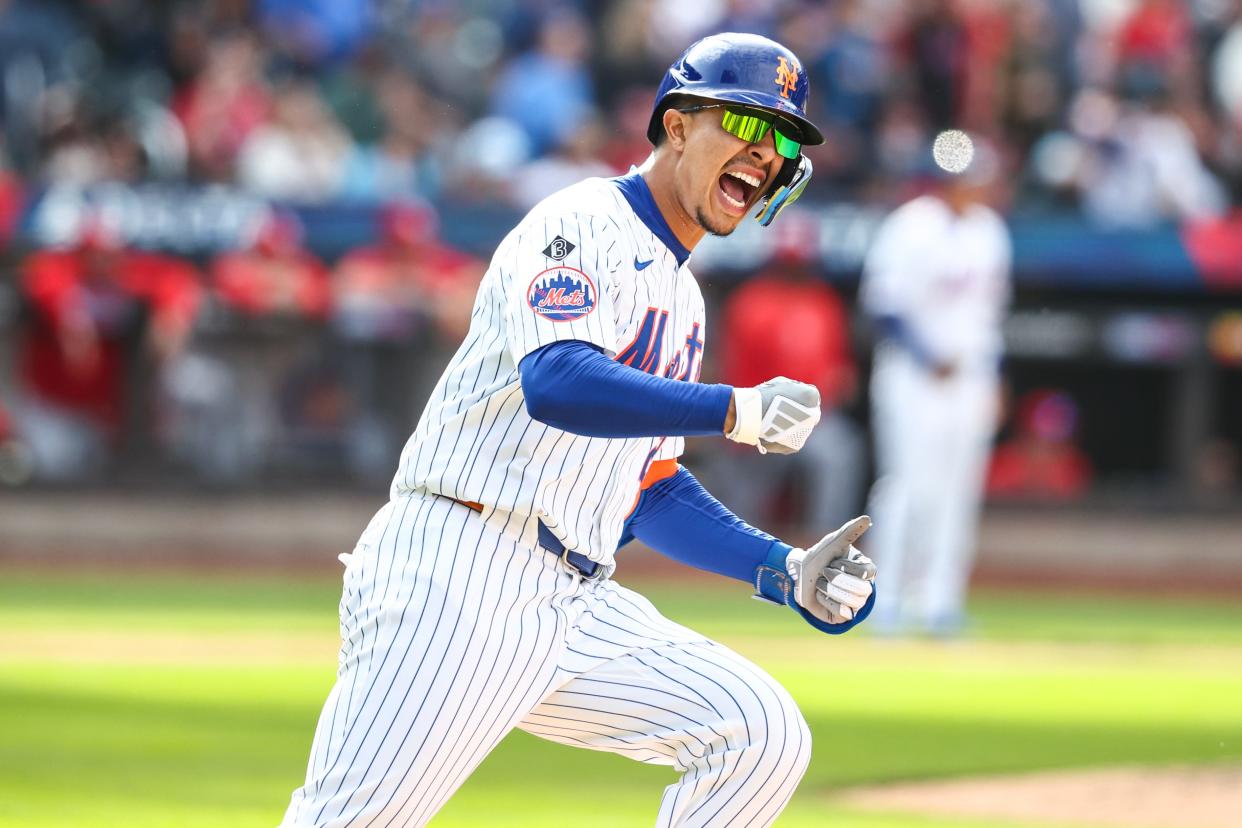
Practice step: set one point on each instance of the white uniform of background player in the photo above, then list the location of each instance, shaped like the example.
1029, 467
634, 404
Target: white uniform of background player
940, 277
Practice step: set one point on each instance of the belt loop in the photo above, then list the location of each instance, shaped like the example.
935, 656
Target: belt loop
579, 575
574, 571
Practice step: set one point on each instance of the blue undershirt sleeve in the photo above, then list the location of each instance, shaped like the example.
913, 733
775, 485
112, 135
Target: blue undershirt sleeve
678, 518
573, 386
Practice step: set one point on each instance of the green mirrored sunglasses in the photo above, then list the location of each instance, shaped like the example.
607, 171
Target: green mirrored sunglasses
751, 125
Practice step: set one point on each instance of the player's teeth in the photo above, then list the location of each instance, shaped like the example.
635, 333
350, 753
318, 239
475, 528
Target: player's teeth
749, 179
732, 200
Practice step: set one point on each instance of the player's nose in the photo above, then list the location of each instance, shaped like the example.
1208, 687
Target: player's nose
764, 151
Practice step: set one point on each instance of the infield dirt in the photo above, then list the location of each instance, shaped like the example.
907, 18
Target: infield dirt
1181, 797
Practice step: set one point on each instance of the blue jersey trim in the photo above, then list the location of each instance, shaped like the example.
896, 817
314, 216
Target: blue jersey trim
638, 194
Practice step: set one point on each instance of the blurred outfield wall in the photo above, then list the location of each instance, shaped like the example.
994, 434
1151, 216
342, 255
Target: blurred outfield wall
1141, 328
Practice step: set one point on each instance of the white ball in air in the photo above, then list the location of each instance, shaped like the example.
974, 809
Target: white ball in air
953, 150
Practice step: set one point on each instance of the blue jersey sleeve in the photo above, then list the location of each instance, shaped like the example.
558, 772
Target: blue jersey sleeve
573, 386
679, 518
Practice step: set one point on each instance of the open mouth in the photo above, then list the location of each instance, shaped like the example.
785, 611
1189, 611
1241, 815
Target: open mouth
737, 188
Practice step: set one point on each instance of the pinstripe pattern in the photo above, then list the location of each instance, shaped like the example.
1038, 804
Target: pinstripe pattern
453, 634
456, 627
475, 440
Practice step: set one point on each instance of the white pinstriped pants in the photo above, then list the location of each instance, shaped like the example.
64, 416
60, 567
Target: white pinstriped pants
933, 439
452, 635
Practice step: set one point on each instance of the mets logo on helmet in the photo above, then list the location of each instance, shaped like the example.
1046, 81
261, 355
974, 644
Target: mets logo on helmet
561, 294
786, 77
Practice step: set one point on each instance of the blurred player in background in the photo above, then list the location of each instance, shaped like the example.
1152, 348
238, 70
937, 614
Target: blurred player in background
1041, 460
402, 306
407, 280
220, 412
97, 310
936, 282
276, 275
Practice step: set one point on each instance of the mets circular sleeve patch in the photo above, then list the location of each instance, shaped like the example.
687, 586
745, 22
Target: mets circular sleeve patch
562, 294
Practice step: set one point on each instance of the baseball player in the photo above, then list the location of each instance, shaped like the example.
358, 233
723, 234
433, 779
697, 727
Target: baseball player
479, 598
936, 280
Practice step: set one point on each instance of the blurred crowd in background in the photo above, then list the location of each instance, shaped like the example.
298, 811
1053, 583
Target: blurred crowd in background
1127, 113
1128, 109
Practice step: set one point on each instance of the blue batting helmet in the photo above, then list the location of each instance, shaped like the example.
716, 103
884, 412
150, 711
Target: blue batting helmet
753, 71
739, 68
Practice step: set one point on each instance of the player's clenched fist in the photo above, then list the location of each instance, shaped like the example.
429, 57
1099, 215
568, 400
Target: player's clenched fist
832, 579
776, 416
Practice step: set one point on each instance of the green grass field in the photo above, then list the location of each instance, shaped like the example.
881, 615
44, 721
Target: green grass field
191, 701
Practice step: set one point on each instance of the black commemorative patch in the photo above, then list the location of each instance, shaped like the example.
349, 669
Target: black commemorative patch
558, 249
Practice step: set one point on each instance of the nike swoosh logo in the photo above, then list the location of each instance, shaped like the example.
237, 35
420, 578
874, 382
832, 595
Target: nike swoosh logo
642, 265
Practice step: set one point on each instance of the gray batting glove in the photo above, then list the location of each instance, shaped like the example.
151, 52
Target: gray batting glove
832, 579
776, 416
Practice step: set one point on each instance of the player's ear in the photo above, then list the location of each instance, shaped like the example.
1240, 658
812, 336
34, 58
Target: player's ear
675, 126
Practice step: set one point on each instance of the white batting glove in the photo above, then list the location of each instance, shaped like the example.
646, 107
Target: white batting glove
832, 579
776, 416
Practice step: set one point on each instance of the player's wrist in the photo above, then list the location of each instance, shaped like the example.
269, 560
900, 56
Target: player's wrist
776, 416
746, 406
772, 578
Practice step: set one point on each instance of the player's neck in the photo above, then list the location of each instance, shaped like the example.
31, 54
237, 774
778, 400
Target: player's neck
657, 171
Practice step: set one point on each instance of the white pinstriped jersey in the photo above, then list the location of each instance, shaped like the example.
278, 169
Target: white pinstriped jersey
590, 263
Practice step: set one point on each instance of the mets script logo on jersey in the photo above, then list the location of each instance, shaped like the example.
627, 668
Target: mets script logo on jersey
646, 352
786, 77
561, 294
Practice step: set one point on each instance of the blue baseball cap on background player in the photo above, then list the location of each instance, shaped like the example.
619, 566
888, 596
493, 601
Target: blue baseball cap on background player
769, 87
